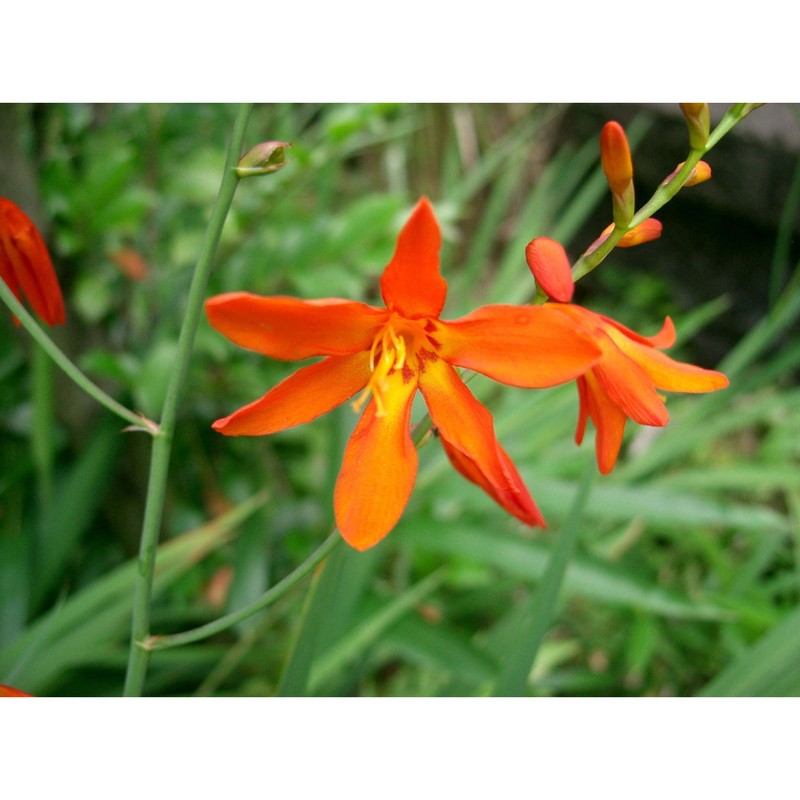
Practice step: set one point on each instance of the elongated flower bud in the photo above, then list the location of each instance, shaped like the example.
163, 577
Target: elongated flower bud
549, 264
25, 264
698, 121
645, 231
615, 155
701, 172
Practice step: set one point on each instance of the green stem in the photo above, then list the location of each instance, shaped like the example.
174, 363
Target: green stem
159, 465
68, 367
42, 428
266, 599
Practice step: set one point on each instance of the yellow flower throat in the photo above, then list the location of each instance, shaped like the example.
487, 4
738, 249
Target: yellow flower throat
398, 346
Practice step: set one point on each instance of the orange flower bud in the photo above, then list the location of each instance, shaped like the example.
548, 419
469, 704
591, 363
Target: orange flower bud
699, 174
25, 264
698, 120
645, 231
615, 155
549, 264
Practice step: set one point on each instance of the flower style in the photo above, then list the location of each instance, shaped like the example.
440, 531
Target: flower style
623, 383
25, 264
387, 354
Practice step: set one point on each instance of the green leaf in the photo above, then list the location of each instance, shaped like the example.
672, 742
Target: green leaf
99, 615
77, 497
368, 631
540, 609
767, 669
527, 559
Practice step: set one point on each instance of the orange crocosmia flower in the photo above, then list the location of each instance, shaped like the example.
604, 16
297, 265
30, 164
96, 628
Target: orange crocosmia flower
624, 382
387, 354
25, 264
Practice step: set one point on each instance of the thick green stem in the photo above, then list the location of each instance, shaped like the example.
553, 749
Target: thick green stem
162, 444
61, 360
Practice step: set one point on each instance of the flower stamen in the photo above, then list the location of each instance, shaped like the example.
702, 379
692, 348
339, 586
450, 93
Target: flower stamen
387, 355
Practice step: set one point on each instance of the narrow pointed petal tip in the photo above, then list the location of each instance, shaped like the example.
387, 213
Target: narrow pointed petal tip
551, 269
512, 496
25, 264
411, 283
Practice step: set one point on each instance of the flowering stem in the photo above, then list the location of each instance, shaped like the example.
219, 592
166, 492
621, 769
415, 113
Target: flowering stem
266, 599
664, 193
162, 444
42, 428
72, 371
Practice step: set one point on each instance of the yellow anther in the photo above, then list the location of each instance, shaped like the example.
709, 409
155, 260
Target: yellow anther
387, 354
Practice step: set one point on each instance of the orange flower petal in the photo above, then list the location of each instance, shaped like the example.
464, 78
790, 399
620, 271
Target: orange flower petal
411, 284
628, 385
664, 338
583, 409
290, 329
609, 420
467, 430
25, 264
303, 396
379, 467
528, 346
668, 374
550, 266
514, 498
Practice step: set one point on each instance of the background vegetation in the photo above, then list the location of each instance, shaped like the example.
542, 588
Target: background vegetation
685, 578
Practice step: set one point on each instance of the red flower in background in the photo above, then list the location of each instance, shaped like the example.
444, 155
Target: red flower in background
25, 264
389, 353
10, 691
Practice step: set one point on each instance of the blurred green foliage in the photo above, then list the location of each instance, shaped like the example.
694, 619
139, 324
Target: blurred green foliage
685, 575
